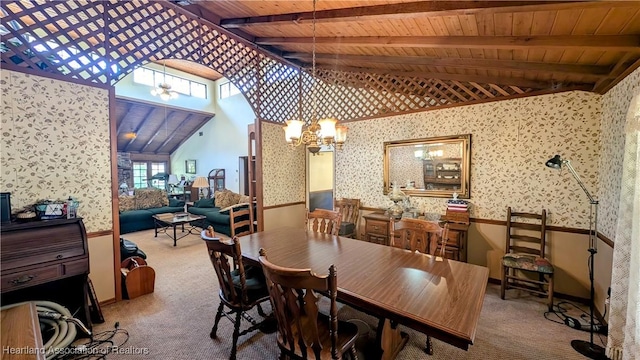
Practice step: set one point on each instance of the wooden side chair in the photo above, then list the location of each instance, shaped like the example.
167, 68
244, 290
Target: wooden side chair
525, 255
422, 236
349, 209
240, 290
324, 221
241, 221
304, 332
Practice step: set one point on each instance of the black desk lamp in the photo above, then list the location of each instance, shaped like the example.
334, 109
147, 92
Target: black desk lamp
588, 349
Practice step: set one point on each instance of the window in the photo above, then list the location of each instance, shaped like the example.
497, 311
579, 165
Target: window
150, 77
227, 89
143, 172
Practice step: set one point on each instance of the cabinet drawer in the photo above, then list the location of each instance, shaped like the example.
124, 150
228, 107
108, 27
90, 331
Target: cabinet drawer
377, 227
76, 267
453, 240
372, 238
30, 277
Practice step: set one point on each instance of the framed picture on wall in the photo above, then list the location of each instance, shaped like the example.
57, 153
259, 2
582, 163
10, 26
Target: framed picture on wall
190, 166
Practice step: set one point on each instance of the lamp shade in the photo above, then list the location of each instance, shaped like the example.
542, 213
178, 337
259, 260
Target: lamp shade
328, 128
124, 186
293, 130
341, 134
555, 162
173, 179
200, 182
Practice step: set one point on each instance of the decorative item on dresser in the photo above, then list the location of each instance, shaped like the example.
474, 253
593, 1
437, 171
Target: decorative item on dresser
201, 183
46, 260
216, 179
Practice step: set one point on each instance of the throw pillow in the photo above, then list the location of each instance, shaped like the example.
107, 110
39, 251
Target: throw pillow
175, 202
148, 198
205, 203
244, 199
236, 206
126, 203
225, 198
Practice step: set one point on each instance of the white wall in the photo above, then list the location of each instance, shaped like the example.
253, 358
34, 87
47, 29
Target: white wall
127, 88
224, 139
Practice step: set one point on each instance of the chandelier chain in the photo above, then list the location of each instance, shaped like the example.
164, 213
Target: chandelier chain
313, 65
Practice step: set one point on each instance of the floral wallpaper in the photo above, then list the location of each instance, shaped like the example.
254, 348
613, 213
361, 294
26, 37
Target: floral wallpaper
615, 105
283, 168
55, 144
510, 142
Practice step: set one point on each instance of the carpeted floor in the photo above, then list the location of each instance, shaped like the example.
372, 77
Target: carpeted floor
174, 322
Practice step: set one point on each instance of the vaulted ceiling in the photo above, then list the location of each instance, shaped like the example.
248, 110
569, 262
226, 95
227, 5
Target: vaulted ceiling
544, 45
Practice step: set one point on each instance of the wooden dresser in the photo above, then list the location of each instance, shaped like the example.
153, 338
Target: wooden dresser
46, 260
377, 231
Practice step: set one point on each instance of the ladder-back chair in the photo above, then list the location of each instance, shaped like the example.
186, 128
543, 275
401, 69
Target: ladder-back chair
303, 331
349, 209
240, 290
422, 236
525, 255
241, 220
324, 221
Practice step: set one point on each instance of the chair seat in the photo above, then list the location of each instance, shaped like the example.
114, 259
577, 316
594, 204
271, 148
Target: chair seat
347, 228
255, 284
527, 262
347, 335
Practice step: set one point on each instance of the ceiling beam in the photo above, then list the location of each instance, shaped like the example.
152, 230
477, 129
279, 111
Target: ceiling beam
158, 129
535, 84
412, 10
142, 123
483, 64
174, 133
625, 62
578, 42
122, 122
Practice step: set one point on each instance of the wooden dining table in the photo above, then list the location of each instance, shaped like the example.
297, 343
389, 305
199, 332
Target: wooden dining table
438, 297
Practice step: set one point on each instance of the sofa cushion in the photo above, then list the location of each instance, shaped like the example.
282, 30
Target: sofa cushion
236, 206
176, 203
126, 203
150, 198
226, 198
205, 203
166, 209
202, 211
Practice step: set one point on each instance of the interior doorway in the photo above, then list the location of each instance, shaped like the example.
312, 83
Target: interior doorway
320, 183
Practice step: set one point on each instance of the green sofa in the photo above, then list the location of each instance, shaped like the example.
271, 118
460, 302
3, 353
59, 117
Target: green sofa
136, 212
216, 216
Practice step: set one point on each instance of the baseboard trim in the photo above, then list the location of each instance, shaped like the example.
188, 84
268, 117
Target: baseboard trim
99, 233
108, 302
284, 205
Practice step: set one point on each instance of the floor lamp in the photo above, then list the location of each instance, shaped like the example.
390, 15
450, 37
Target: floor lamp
588, 349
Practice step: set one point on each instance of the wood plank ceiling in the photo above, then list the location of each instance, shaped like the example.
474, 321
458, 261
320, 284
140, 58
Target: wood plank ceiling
545, 45
148, 128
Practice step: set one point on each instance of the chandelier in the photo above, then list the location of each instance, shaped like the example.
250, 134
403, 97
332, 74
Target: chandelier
320, 132
164, 89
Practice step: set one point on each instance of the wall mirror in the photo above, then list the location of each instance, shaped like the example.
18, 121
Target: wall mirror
435, 167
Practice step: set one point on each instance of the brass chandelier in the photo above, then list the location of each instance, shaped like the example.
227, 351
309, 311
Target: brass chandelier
164, 89
320, 132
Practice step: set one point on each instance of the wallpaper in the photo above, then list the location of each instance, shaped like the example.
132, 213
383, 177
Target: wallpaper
510, 142
615, 106
283, 168
55, 144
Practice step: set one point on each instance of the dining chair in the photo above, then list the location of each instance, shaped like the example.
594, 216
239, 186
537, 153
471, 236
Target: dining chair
303, 331
422, 236
241, 220
525, 254
324, 221
349, 210
240, 290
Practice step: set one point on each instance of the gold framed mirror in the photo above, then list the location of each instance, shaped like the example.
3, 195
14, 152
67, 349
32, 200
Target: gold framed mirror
434, 167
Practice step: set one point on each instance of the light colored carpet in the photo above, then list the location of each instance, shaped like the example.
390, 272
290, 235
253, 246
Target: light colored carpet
174, 322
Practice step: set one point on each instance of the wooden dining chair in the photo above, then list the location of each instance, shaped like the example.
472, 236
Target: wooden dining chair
422, 236
525, 254
240, 290
349, 210
303, 331
324, 221
241, 221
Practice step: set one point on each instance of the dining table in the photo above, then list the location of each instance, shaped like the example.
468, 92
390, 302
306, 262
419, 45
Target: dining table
439, 297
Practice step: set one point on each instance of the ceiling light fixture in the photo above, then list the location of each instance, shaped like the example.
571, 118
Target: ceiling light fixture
320, 132
164, 89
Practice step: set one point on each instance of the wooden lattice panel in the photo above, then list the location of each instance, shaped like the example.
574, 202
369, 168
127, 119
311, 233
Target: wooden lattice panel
75, 39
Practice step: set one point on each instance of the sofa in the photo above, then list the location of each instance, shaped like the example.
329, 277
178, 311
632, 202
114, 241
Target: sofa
136, 212
217, 209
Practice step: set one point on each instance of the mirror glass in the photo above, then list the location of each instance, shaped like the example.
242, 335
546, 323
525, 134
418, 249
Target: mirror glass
436, 167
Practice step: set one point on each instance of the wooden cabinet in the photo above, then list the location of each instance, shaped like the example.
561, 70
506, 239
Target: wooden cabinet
443, 174
377, 230
216, 180
46, 260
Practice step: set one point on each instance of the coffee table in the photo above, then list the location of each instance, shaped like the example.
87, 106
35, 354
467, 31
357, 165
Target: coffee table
163, 222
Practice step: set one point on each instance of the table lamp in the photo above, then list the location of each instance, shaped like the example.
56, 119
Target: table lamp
173, 181
201, 182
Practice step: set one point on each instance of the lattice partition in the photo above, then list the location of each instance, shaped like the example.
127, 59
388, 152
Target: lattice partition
76, 39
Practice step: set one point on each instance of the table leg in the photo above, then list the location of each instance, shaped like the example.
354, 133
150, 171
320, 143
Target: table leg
390, 339
155, 227
174, 235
